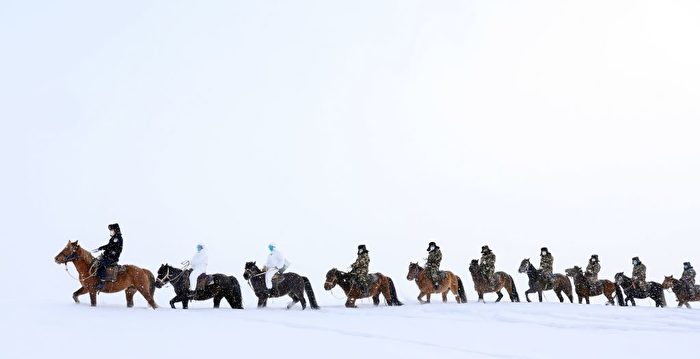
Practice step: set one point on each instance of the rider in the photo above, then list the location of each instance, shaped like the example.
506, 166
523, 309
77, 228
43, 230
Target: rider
639, 275
198, 268
546, 264
276, 263
110, 256
432, 265
592, 269
487, 264
688, 278
360, 268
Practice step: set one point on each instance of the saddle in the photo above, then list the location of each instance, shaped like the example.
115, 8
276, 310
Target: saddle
204, 280
277, 279
113, 272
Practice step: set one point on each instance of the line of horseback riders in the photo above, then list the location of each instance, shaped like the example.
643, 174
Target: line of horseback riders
277, 264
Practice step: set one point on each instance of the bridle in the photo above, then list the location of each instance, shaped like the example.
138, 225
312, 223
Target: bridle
72, 257
166, 278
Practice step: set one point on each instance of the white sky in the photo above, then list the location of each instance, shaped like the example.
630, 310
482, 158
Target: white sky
322, 125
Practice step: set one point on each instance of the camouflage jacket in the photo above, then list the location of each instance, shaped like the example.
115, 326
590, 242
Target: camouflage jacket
547, 263
689, 276
361, 265
592, 271
434, 259
487, 265
639, 273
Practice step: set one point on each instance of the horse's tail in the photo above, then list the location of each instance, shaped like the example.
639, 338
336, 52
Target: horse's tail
310, 293
151, 282
394, 297
619, 295
460, 290
236, 292
663, 298
514, 297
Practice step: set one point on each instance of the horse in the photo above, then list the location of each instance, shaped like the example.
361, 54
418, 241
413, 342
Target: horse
380, 285
132, 279
585, 290
449, 282
680, 290
655, 291
292, 284
222, 286
482, 285
538, 284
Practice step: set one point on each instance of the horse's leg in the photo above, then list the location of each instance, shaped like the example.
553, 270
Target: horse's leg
444, 295
481, 297
301, 298
78, 293
217, 299
130, 296
558, 293
588, 300
427, 297
528, 292
386, 292
500, 296
539, 295
262, 301
580, 299
93, 298
631, 299
295, 300
144, 289
375, 299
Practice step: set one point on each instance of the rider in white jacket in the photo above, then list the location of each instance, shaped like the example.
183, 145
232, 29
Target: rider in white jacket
198, 265
275, 263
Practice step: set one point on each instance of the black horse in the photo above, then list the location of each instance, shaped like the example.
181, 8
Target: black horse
655, 291
222, 286
538, 284
291, 284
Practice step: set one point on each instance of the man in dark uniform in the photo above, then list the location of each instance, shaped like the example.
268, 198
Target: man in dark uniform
639, 275
592, 270
360, 269
688, 278
110, 255
546, 264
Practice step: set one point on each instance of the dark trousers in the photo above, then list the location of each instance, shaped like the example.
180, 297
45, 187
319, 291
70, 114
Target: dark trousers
102, 268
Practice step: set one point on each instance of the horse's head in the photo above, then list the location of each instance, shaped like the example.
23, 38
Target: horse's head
668, 282
574, 271
250, 270
619, 278
331, 279
474, 265
413, 270
524, 265
164, 275
69, 253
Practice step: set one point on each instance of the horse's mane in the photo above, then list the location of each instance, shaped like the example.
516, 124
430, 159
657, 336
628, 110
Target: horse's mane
86, 255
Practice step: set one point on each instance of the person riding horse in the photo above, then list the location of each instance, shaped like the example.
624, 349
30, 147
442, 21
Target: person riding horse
639, 275
276, 263
360, 269
110, 256
688, 278
546, 264
487, 264
198, 269
592, 270
432, 265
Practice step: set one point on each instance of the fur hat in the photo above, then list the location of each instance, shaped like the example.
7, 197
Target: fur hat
636, 260
687, 265
115, 228
432, 246
595, 258
544, 249
485, 249
362, 249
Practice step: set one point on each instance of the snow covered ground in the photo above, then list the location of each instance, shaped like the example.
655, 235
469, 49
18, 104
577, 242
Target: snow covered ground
474, 330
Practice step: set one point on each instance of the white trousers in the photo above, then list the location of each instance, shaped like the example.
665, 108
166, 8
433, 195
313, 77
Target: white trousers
268, 277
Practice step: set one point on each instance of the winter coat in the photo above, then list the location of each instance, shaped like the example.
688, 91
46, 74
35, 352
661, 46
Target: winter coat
547, 264
592, 271
487, 265
275, 260
198, 265
361, 265
639, 275
113, 249
688, 277
432, 265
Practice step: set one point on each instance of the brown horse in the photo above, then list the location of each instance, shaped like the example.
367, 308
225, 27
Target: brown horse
538, 283
482, 285
449, 282
584, 290
680, 290
133, 279
382, 285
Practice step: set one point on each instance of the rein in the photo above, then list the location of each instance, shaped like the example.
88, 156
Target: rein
171, 280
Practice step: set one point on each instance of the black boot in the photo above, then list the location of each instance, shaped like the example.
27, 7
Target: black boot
436, 285
100, 285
